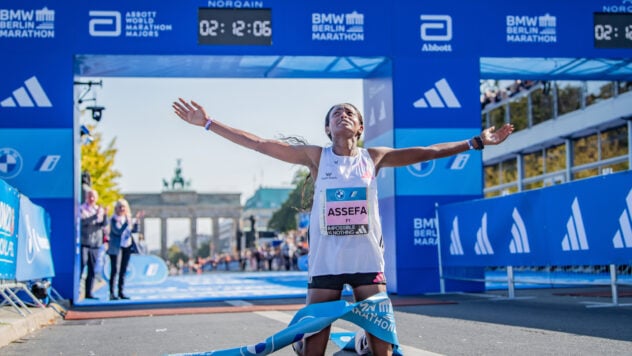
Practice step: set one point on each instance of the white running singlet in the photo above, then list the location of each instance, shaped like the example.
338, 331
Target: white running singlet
345, 233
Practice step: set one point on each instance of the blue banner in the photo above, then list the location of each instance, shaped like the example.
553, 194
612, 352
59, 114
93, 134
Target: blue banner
586, 222
41, 170
35, 90
9, 213
455, 175
35, 260
441, 93
375, 315
142, 269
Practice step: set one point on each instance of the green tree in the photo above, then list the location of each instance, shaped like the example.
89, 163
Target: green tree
204, 250
174, 254
300, 199
99, 162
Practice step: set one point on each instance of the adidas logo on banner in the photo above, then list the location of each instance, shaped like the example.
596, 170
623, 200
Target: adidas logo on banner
437, 96
482, 245
623, 237
455, 240
30, 95
519, 243
575, 239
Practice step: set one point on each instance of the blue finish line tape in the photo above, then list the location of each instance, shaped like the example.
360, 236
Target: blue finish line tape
375, 315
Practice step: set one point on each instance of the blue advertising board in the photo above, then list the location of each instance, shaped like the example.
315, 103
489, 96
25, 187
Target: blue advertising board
455, 175
586, 222
35, 259
34, 96
42, 161
420, 62
9, 214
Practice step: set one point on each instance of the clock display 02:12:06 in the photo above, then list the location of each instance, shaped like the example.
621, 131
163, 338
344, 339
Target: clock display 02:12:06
220, 26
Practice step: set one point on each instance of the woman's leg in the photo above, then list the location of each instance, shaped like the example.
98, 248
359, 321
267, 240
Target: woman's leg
113, 274
317, 344
378, 346
125, 256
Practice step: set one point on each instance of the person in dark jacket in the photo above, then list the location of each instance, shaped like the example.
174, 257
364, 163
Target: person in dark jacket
120, 245
93, 220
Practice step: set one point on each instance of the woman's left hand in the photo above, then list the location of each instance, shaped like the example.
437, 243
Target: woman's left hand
491, 136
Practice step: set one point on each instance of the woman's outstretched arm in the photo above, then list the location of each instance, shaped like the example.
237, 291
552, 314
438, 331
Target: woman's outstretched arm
391, 157
194, 114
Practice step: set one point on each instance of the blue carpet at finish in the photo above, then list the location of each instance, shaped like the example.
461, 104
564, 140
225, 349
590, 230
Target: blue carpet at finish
219, 286
214, 286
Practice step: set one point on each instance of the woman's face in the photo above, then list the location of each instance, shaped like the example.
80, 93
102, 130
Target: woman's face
344, 120
121, 209
92, 197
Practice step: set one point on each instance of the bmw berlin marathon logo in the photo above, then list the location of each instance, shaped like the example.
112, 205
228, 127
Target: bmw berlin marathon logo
10, 163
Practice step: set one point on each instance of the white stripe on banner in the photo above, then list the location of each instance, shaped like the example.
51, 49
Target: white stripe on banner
375, 315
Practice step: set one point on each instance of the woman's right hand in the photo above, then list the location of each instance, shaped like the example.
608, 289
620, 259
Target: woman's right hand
192, 112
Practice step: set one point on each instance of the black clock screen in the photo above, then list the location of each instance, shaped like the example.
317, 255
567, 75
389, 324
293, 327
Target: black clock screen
612, 30
223, 26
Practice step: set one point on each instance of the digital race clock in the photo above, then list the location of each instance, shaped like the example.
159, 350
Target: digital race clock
222, 26
612, 30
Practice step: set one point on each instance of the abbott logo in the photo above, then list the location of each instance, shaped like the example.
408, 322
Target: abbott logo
482, 245
436, 27
575, 238
438, 97
105, 23
28, 96
456, 249
519, 243
623, 237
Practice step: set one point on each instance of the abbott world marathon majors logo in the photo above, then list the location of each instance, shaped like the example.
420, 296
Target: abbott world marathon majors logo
10, 163
27, 23
142, 24
531, 29
338, 27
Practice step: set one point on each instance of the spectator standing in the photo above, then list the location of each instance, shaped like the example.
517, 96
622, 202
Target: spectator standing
93, 221
119, 249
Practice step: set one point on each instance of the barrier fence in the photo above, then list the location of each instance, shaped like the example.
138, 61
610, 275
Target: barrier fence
25, 254
582, 223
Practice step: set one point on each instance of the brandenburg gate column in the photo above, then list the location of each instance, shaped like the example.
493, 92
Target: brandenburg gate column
215, 234
193, 236
234, 237
163, 238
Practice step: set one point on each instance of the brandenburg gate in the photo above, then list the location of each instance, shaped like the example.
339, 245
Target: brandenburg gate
180, 202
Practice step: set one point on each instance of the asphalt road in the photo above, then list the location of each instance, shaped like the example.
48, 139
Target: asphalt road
536, 322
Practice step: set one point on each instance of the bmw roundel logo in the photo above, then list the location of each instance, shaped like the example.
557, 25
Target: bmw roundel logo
340, 194
10, 163
422, 169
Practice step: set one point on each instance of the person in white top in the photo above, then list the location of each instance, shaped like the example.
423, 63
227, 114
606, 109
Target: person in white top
345, 231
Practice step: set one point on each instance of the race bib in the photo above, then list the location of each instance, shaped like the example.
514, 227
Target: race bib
346, 211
